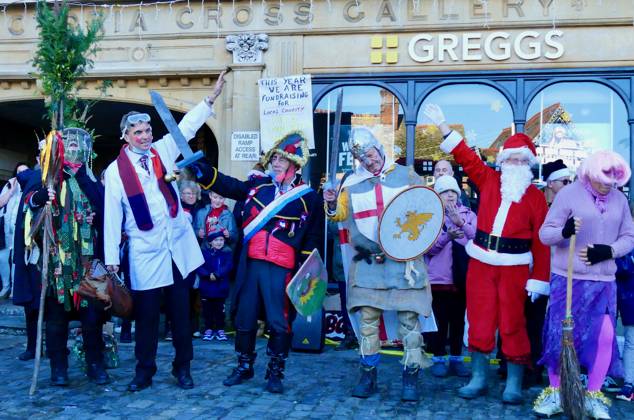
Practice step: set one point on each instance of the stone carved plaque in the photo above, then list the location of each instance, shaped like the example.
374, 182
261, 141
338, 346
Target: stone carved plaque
247, 48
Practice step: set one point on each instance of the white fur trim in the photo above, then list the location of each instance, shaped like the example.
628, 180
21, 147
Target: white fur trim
453, 139
505, 153
497, 258
500, 217
561, 173
538, 286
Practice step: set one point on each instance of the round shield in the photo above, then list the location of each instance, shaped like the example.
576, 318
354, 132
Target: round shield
410, 223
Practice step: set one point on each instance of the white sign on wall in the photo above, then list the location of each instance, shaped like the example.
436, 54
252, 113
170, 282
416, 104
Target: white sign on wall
245, 145
286, 105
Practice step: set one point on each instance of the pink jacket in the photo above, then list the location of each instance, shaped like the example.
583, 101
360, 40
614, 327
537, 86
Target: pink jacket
614, 228
439, 258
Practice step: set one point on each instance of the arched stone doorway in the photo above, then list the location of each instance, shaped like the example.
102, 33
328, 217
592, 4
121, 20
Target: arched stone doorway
23, 122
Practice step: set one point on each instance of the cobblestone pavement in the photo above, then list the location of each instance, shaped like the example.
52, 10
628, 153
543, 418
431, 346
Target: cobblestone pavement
317, 387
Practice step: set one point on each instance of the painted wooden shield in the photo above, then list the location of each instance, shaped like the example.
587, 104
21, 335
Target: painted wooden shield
410, 223
307, 288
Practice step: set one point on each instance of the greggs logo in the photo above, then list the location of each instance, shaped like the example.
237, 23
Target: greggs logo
384, 49
470, 46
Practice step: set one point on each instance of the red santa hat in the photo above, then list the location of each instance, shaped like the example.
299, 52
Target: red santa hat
518, 143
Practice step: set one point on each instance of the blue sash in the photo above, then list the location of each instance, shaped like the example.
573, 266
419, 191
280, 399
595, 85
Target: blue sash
272, 209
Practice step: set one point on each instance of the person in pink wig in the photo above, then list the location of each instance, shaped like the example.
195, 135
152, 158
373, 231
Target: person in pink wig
598, 213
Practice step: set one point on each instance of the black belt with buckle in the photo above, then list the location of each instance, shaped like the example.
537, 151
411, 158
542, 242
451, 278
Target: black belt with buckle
367, 256
500, 244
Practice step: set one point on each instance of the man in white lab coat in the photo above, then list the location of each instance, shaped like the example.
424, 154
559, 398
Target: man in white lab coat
163, 247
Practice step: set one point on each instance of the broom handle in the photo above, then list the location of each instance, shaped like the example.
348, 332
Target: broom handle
40, 315
571, 259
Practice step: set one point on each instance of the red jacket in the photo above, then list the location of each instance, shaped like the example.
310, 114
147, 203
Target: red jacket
509, 219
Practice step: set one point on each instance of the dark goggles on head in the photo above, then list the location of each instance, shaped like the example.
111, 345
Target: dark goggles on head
135, 119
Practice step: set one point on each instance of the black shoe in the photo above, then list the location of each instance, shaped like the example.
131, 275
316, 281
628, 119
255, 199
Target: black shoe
349, 342
275, 374
367, 382
243, 372
139, 384
183, 377
27, 355
97, 374
59, 377
410, 384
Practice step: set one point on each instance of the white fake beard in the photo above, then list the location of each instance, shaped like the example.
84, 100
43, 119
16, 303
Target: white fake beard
515, 179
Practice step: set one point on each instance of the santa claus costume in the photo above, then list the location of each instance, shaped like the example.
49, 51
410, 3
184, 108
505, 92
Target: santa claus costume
508, 259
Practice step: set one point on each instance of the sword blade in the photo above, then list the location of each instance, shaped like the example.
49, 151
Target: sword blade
334, 147
170, 124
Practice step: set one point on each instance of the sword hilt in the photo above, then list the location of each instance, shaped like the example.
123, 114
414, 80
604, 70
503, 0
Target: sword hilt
189, 160
183, 164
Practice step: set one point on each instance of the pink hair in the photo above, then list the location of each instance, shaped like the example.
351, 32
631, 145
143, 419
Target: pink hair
605, 167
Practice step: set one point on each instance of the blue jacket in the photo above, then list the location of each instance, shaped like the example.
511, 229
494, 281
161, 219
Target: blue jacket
218, 263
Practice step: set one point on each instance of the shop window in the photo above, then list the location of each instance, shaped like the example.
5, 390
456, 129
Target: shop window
369, 106
477, 111
570, 120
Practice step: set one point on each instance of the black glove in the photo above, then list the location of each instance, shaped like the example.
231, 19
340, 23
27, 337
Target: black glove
202, 171
40, 197
598, 253
569, 228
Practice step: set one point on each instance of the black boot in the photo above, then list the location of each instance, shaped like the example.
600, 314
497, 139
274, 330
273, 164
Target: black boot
410, 384
59, 369
279, 344
97, 374
245, 346
367, 382
31, 334
275, 374
183, 376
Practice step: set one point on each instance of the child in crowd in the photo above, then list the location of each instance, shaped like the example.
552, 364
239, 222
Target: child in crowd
216, 215
214, 284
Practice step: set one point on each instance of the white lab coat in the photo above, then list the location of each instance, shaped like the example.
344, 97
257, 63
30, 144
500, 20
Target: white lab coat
152, 251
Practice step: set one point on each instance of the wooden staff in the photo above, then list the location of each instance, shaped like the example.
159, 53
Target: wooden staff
571, 389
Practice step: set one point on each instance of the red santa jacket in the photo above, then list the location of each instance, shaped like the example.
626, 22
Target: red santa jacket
505, 218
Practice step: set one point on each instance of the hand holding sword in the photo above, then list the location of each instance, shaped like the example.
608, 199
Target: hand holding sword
330, 192
182, 143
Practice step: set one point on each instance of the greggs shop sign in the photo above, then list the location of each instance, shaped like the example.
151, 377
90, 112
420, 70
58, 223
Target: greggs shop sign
496, 46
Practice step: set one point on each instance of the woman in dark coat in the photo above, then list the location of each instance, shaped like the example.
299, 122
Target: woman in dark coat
27, 278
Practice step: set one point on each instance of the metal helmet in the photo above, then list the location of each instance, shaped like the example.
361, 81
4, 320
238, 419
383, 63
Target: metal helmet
77, 145
362, 140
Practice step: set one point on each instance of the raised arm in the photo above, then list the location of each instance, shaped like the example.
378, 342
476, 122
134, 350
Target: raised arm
193, 120
455, 144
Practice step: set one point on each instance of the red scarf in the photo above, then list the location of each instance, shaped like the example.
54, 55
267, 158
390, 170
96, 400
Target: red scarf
134, 190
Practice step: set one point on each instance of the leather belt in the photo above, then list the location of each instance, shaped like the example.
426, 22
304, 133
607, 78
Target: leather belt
501, 244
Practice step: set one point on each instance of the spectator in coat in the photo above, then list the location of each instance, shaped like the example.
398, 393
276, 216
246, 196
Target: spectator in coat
214, 284
447, 267
216, 215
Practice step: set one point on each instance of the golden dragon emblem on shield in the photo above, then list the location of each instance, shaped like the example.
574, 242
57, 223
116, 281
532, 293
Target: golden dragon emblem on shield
414, 223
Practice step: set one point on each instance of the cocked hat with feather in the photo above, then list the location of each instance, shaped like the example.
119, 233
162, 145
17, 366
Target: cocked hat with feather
292, 147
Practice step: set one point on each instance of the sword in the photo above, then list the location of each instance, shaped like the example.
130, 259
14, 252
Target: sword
189, 157
334, 148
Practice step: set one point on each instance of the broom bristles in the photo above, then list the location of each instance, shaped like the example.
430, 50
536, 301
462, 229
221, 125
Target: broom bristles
571, 391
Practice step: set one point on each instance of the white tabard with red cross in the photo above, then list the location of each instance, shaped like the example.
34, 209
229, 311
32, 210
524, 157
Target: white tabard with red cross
368, 207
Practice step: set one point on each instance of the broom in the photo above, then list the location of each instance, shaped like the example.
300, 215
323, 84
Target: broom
571, 390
